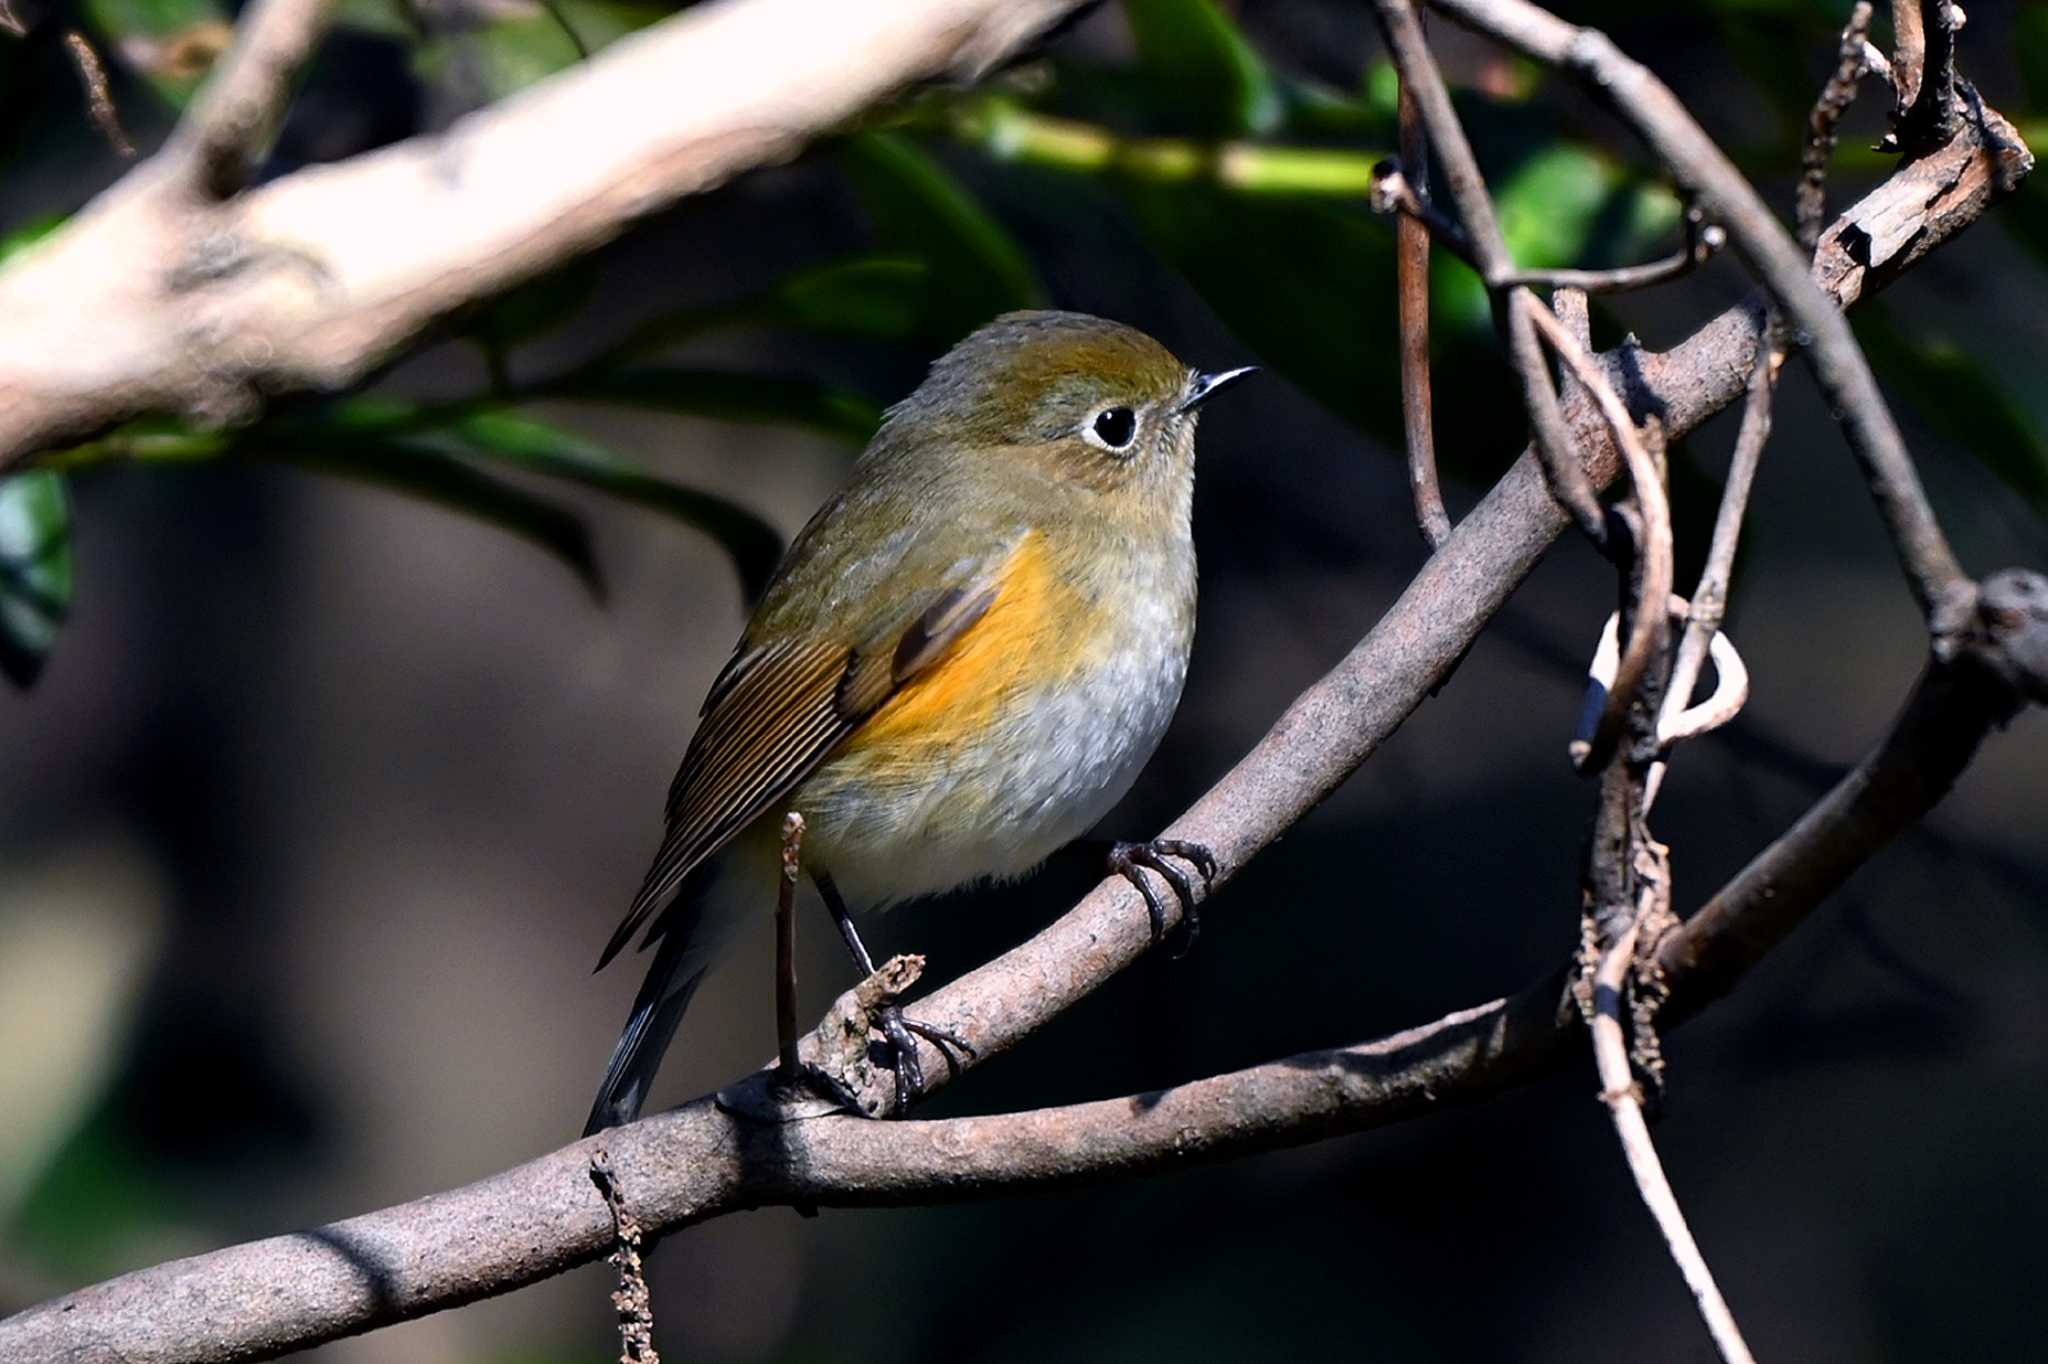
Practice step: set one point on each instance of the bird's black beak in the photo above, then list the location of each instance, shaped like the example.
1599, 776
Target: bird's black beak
1207, 386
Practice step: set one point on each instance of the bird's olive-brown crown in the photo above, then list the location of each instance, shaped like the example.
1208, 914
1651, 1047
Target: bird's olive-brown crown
1092, 399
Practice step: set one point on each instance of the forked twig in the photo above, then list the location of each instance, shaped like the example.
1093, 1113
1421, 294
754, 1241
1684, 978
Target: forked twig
1945, 594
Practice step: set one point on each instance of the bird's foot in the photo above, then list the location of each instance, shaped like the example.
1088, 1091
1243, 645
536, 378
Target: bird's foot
1131, 860
897, 1031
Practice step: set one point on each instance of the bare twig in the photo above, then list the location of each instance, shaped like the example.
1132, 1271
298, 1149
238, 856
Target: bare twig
1709, 601
1652, 547
1392, 192
1619, 1093
785, 945
1704, 171
1909, 54
1835, 98
1925, 71
1489, 253
99, 101
632, 1299
1411, 291
234, 117
554, 9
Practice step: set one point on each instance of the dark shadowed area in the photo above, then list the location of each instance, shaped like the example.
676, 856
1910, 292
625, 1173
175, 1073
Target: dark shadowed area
328, 793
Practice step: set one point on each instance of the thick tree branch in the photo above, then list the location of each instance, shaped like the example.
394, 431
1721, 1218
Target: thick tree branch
698, 1162
159, 299
268, 1297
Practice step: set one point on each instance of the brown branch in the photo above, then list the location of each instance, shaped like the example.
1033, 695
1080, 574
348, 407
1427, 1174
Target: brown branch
1709, 602
1924, 67
701, 1161
1392, 192
99, 100
159, 299
1651, 548
1704, 172
1488, 251
1835, 98
1411, 292
509, 1230
2001, 662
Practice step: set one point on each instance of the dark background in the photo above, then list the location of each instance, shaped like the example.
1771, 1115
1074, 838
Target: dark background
327, 796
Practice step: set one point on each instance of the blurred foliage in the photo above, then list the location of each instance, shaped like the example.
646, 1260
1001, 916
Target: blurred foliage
35, 570
1246, 176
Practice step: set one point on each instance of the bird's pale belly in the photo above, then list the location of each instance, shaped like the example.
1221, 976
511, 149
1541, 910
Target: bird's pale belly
924, 812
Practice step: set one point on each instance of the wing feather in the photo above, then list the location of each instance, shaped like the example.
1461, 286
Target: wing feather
774, 714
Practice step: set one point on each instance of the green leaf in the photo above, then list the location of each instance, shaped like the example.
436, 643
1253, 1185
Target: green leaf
35, 571
2030, 41
525, 442
534, 308
883, 297
1212, 83
28, 234
1321, 310
758, 398
1957, 393
1564, 205
419, 470
514, 53
921, 211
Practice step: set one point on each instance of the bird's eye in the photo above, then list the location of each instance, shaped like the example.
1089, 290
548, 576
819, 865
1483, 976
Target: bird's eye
1113, 427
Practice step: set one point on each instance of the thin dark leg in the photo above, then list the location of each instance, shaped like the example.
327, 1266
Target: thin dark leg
895, 1027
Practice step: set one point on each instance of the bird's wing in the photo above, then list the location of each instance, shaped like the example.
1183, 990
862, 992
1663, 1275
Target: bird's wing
779, 709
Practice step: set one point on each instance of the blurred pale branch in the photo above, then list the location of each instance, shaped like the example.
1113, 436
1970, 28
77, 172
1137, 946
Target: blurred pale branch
164, 296
268, 1297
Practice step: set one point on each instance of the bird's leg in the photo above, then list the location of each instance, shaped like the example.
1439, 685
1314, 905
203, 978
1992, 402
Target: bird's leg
895, 1027
1129, 860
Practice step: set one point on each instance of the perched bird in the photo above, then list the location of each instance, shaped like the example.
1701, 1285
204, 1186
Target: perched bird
959, 666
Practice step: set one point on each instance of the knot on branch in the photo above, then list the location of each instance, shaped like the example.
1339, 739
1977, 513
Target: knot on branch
2012, 636
842, 1041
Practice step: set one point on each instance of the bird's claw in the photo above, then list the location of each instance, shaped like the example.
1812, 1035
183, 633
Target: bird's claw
909, 1069
1131, 860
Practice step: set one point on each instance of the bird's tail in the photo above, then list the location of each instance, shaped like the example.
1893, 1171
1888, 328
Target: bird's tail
678, 968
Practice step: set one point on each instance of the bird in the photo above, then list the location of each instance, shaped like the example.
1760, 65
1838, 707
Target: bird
959, 666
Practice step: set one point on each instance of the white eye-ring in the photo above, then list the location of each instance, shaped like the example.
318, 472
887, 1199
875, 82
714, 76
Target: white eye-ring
1112, 429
